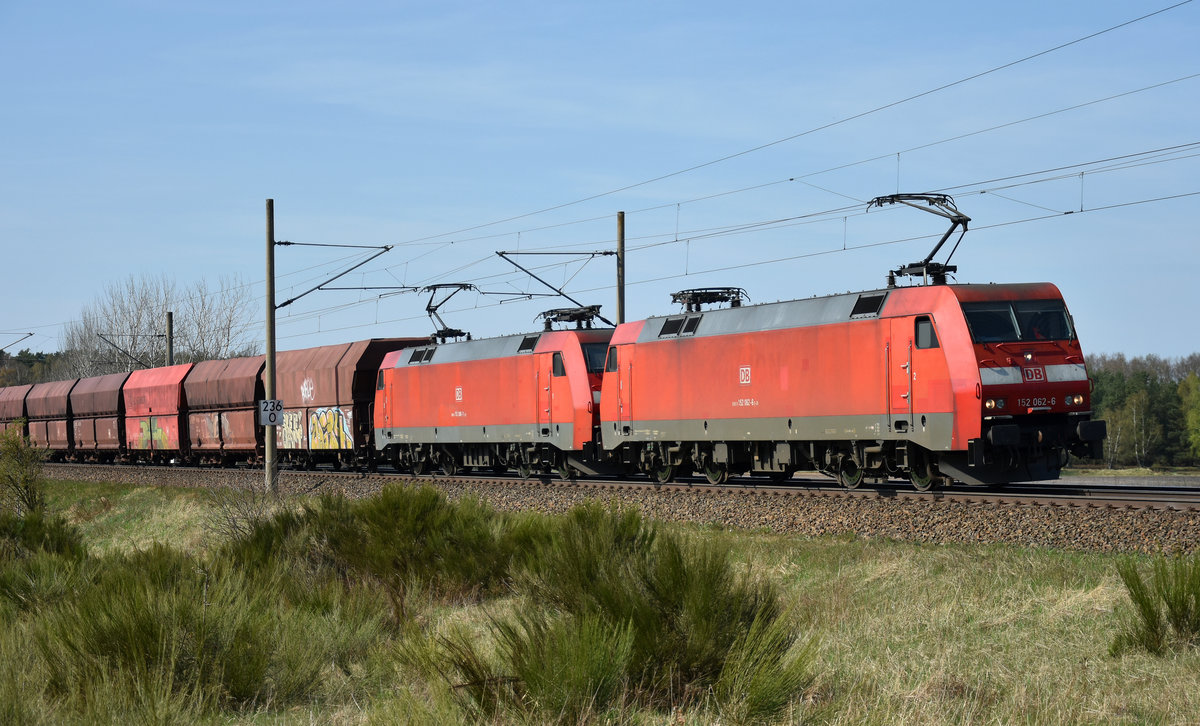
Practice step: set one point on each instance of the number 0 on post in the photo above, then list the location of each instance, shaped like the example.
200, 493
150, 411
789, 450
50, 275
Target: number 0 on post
270, 413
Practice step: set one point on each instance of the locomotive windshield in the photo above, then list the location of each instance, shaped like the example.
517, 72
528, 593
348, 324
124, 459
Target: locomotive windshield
594, 354
1003, 321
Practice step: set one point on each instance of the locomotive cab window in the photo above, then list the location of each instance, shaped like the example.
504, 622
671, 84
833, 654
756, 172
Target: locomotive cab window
1005, 321
611, 365
379, 382
593, 356
559, 369
926, 336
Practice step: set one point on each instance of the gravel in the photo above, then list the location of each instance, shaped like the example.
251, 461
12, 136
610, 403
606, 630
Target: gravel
910, 520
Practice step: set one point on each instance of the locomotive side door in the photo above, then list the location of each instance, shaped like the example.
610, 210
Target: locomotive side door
932, 396
383, 397
898, 354
544, 381
624, 389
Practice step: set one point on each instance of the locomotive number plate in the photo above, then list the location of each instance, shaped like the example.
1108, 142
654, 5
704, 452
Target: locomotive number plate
1036, 402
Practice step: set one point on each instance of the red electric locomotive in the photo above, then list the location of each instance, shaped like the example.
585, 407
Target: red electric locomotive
980, 383
523, 401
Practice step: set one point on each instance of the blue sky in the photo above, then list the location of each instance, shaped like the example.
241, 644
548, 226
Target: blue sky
144, 137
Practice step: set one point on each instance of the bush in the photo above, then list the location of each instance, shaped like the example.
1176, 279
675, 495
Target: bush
1166, 610
35, 531
403, 540
407, 537
156, 622
22, 488
566, 667
666, 619
763, 672
42, 580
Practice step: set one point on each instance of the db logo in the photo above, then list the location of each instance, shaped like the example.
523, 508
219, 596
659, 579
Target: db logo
744, 375
1035, 375
458, 393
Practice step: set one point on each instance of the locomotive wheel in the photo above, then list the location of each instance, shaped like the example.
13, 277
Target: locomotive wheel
920, 473
664, 473
850, 474
524, 470
420, 466
716, 474
565, 472
448, 464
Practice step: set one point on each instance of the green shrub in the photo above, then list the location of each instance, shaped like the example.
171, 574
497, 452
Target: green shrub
620, 607
402, 541
686, 606
20, 688
567, 668
1166, 610
22, 535
42, 579
407, 537
156, 622
763, 672
22, 488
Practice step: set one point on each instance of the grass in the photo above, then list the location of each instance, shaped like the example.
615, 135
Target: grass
898, 632
118, 518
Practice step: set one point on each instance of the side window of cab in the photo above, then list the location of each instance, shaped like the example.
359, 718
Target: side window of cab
925, 335
610, 365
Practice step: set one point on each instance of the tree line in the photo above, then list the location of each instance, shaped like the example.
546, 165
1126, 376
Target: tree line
1152, 406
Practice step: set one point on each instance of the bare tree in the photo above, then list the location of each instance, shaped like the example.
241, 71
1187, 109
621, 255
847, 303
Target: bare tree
124, 328
216, 323
1144, 431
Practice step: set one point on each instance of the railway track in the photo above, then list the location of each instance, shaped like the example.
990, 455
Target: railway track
1131, 516
1133, 493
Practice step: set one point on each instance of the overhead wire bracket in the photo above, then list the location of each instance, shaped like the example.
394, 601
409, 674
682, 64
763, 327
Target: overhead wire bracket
505, 256
283, 243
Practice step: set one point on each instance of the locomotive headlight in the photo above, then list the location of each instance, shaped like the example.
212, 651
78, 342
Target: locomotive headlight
993, 403
1077, 399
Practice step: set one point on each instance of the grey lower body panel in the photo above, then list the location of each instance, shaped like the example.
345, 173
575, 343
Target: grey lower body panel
559, 435
934, 431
